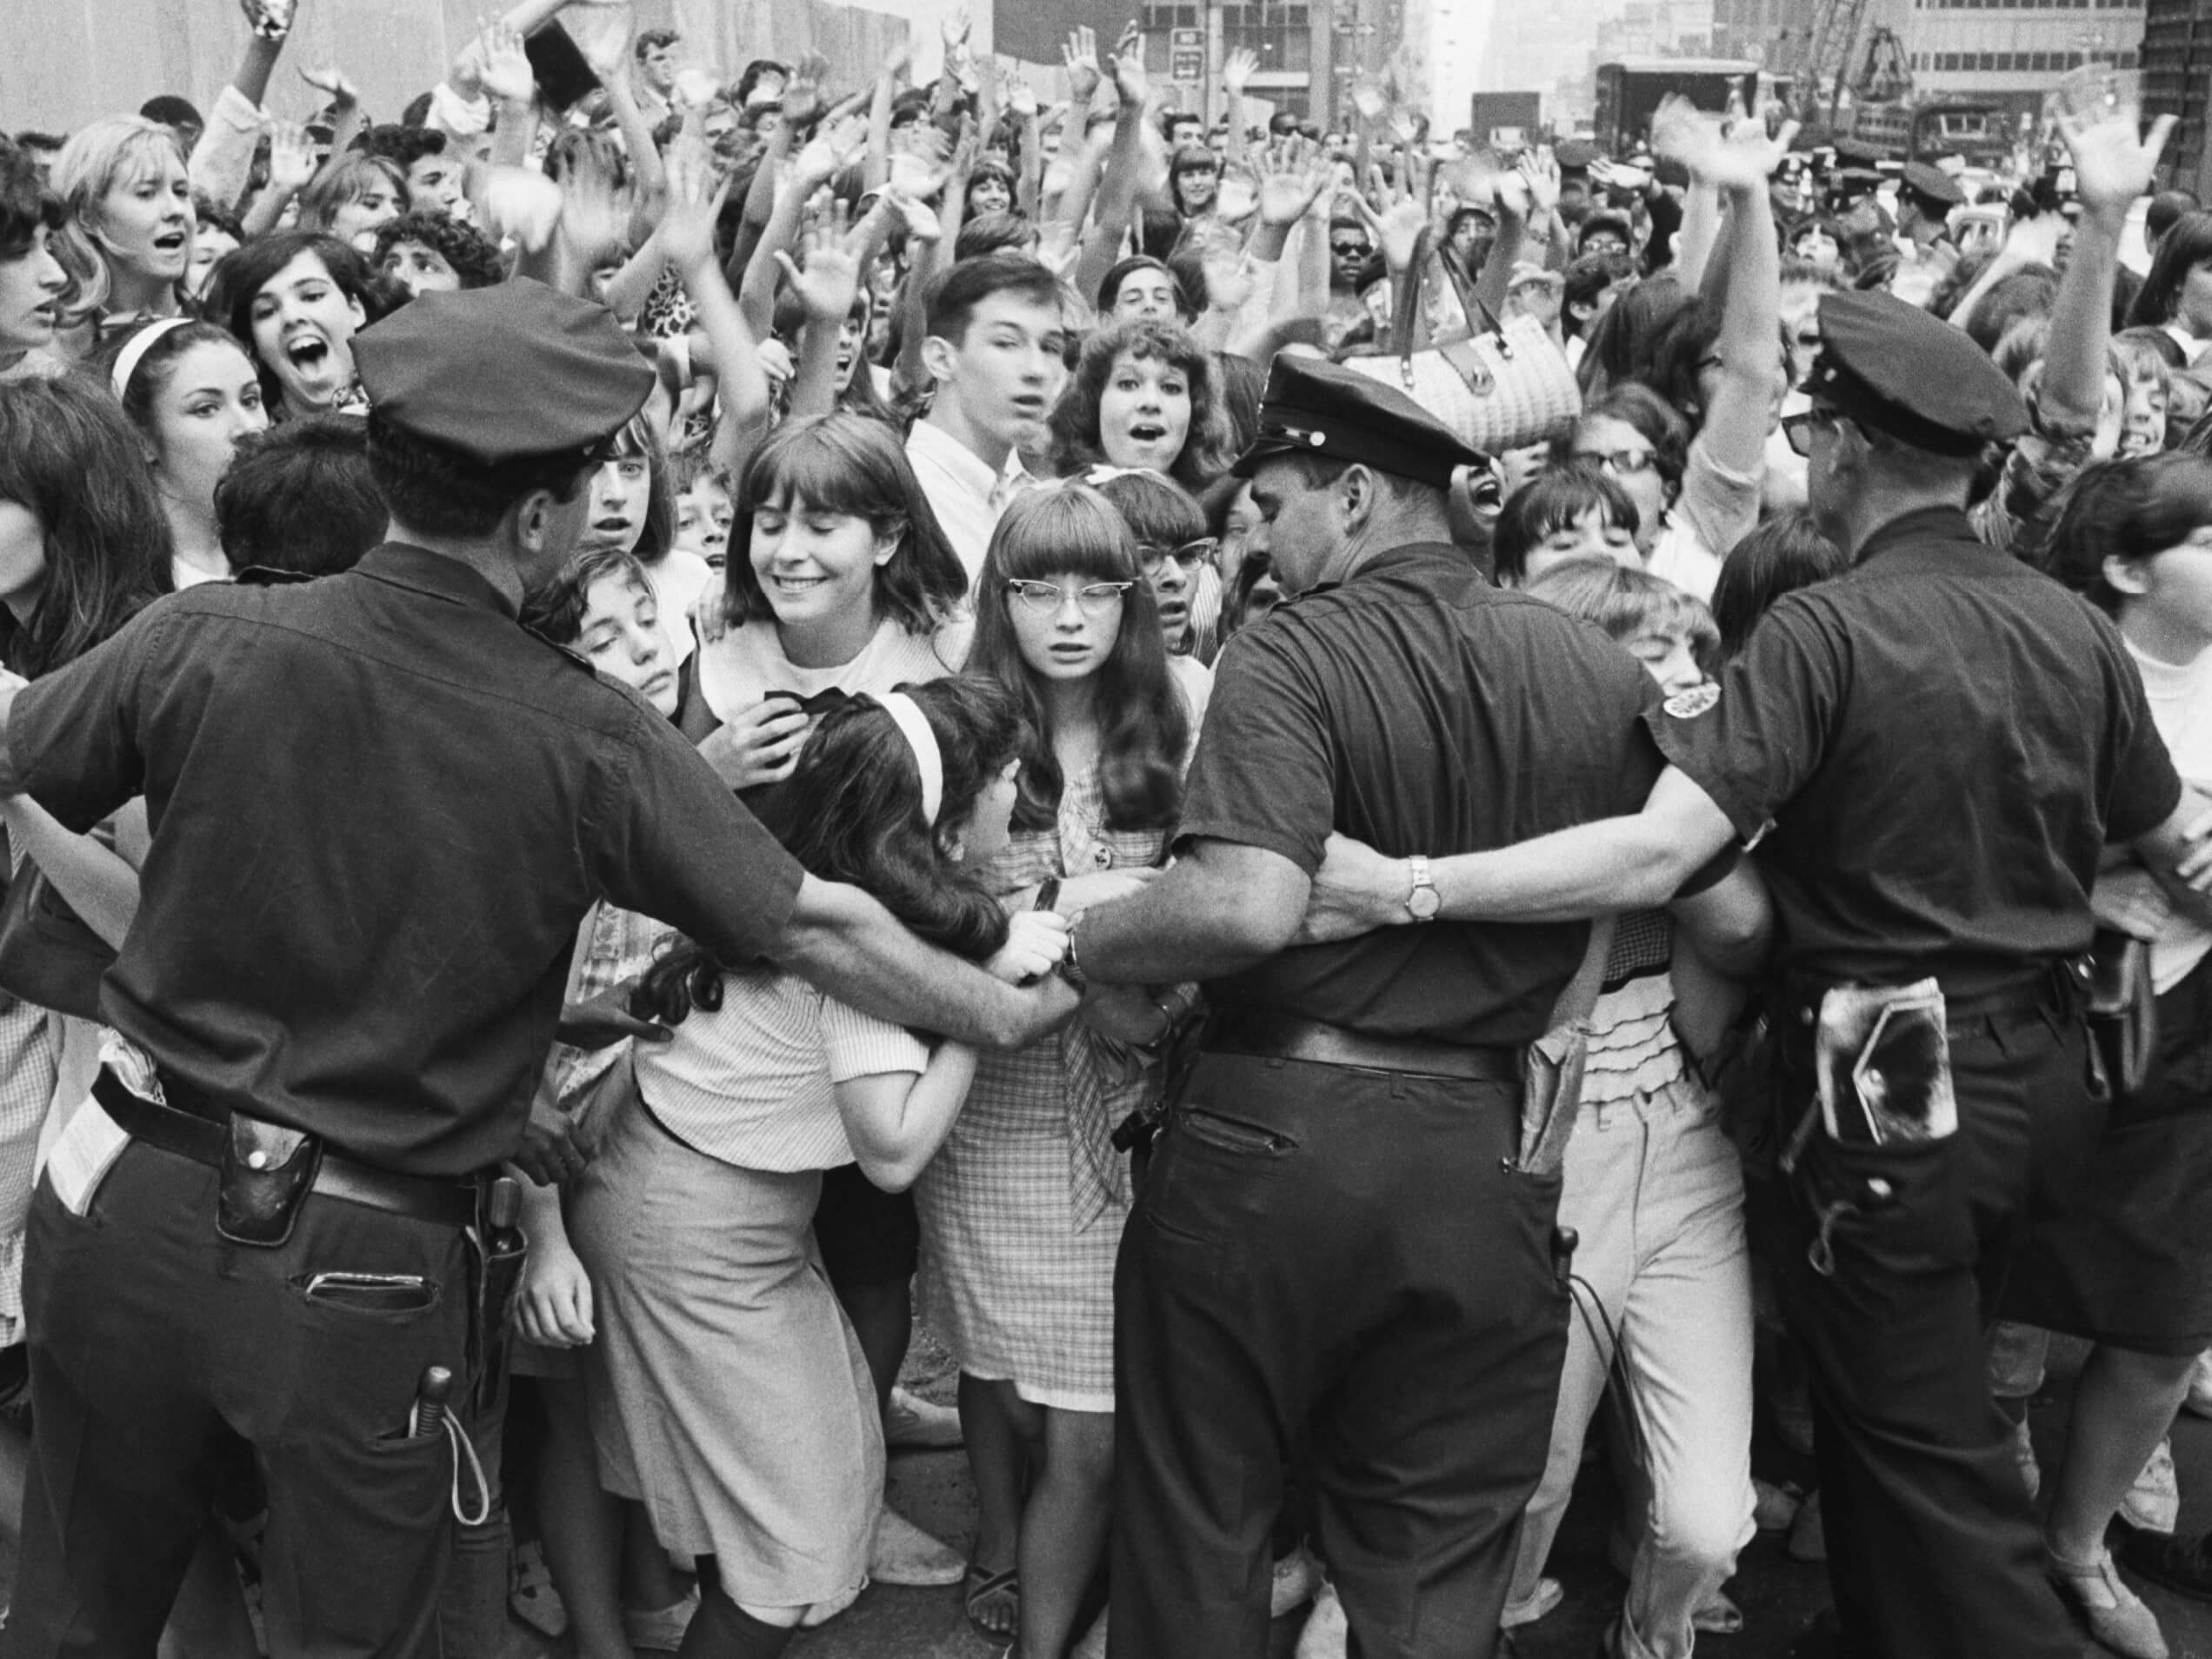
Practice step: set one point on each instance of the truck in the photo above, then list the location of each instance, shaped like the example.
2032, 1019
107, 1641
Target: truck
1505, 121
1979, 132
1629, 89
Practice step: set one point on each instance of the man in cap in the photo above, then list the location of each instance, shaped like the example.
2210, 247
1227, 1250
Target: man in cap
379, 809
1937, 747
1926, 195
1337, 1240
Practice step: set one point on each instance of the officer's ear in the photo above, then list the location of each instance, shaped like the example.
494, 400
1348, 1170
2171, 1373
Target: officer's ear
1357, 490
2127, 576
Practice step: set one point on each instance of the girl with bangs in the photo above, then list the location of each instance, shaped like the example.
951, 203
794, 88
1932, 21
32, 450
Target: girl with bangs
1022, 1210
1144, 394
839, 579
295, 301
128, 235
838, 584
728, 1393
633, 510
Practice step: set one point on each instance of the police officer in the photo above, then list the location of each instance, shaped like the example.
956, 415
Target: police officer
1337, 1239
1926, 197
1939, 745
379, 809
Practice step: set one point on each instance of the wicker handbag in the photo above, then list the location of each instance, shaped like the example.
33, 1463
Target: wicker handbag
1502, 388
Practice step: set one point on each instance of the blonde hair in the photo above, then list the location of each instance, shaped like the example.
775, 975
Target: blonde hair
94, 158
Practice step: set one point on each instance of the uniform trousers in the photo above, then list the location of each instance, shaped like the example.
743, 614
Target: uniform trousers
1349, 1257
1933, 1549
148, 1333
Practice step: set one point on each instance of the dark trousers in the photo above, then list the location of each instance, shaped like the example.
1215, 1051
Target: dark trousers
1932, 1544
148, 1333
1347, 1253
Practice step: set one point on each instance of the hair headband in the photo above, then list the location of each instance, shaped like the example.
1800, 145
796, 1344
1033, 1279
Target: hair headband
914, 726
126, 362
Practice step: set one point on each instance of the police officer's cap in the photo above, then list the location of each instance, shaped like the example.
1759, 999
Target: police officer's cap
1857, 152
1891, 365
1576, 155
502, 372
1316, 408
1932, 184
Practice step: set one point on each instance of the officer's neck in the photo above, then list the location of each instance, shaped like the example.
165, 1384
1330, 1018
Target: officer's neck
1393, 523
1873, 504
494, 558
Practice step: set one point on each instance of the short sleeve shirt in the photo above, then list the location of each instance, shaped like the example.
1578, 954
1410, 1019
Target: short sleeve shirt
380, 809
1943, 740
1420, 709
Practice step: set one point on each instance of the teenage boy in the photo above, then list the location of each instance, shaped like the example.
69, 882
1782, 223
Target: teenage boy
995, 345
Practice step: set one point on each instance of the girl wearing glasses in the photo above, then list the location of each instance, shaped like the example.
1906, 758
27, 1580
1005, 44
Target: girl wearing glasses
1177, 557
1023, 1209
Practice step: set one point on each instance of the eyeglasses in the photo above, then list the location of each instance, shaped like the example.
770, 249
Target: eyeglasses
1626, 463
1046, 598
1190, 555
1799, 428
1348, 250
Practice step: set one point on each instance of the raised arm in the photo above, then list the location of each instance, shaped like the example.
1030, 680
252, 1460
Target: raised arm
1237, 74
2114, 163
686, 236
1127, 164
1734, 429
827, 285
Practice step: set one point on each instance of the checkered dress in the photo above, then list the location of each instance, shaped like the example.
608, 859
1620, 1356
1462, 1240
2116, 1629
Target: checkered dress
1021, 1208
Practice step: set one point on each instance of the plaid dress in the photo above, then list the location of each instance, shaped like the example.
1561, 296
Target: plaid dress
1021, 1208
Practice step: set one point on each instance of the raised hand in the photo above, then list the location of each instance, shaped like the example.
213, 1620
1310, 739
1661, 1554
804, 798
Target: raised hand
696, 189
601, 29
829, 282
1540, 169
1749, 157
2114, 161
1080, 56
920, 219
503, 68
1366, 98
957, 27
1019, 96
1293, 174
1236, 74
803, 101
1683, 133
330, 81
291, 158
828, 152
1129, 77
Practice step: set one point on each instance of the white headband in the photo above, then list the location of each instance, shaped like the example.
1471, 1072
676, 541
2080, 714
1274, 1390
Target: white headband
126, 363
906, 715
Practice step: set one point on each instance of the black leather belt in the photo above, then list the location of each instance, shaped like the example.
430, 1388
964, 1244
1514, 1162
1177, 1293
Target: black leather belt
1281, 1037
200, 1136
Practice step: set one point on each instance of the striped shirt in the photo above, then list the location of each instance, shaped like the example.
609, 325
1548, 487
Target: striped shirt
753, 1083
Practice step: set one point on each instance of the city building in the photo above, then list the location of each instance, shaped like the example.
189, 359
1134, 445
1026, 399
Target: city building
2176, 58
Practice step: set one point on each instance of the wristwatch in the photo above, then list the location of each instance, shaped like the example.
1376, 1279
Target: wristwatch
1422, 901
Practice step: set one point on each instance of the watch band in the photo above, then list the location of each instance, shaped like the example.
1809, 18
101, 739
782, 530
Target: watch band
1422, 883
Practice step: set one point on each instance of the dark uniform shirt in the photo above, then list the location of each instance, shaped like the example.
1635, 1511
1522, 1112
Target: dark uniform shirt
1422, 711
1945, 740
380, 809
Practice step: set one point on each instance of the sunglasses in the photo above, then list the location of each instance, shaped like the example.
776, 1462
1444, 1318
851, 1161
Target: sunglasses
1626, 463
1799, 428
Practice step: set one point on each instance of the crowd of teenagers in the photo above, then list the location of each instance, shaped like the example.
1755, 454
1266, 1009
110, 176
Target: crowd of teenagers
930, 532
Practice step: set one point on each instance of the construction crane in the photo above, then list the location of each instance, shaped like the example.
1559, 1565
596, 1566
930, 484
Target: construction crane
1824, 69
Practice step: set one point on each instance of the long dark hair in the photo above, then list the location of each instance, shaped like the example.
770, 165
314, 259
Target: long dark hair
2125, 509
1205, 454
1143, 724
848, 463
241, 275
851, 811
68, 454
2187, 245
